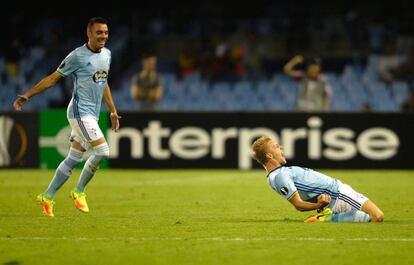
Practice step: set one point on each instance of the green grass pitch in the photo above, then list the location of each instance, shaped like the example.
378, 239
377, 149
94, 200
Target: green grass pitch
198, 217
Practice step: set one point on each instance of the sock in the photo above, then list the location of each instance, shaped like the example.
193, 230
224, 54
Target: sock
88, 172
351, 216
63, 172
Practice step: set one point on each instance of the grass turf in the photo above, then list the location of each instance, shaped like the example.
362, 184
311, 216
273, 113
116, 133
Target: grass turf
198, 217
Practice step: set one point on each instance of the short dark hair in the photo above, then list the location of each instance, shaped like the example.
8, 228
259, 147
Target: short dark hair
313, 60
147, 55
94, 20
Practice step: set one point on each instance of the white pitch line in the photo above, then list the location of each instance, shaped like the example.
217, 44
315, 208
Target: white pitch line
203, 239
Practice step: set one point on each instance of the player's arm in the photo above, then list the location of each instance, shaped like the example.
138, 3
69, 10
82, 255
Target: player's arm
156, 93
289, 67
112, 109
43, 84
160, 90
327, 97
301, 205
326, 102
136, 90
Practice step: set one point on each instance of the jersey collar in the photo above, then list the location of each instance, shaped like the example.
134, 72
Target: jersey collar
87, 46
268, 174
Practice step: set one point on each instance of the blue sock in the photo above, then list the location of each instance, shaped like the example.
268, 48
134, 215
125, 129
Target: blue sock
351, 216
88, 172
63, 172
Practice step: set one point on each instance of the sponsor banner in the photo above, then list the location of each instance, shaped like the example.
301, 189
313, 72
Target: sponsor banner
54, 137
18, 140
223, 140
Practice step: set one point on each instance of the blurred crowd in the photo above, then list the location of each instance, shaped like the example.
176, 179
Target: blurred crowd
232, 42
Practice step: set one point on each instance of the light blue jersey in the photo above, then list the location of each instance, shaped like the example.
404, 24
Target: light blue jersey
89, 71
287, 180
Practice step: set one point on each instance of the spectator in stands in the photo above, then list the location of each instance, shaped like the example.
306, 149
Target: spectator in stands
366, 107
238, 61
314, 91
13, 56
405, 70
376, 33
187, 62
237, 50
408, 105
253, 55
219, 63
146, 86
388, 63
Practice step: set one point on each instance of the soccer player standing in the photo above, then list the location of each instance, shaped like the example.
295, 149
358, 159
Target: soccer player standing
89, 66
309, 190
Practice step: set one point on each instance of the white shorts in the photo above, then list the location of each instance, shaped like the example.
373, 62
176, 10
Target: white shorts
85, 130
348, 199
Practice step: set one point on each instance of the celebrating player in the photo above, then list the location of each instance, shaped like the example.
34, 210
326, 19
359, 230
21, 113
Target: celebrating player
89, 66
309, 190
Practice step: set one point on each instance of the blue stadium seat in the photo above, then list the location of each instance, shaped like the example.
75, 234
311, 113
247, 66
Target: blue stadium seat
400, 92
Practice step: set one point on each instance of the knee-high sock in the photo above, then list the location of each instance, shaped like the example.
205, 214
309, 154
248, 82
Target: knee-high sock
351, 216
88, 171
63, 171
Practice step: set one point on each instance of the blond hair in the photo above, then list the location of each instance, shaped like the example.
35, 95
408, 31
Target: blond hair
259, 149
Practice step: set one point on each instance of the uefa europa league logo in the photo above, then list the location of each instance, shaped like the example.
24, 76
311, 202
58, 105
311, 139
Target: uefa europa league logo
7, 127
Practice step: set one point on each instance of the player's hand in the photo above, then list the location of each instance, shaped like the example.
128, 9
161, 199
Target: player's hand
298, 59
115, 121
324, 199
18, 103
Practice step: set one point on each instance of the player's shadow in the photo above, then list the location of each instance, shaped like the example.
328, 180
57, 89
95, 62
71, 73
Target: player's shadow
258, 220
288, 220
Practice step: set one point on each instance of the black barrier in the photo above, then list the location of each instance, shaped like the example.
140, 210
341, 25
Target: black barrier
19, 134
223, 140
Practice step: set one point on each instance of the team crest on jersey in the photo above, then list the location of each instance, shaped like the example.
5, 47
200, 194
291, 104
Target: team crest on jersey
284, 190
100, 77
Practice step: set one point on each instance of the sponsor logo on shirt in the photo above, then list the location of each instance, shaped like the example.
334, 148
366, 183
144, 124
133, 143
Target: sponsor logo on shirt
100, 77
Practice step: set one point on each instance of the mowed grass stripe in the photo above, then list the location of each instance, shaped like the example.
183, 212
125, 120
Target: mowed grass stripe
204, 239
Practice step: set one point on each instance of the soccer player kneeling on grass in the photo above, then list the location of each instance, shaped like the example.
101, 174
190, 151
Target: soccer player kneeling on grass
309, 190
